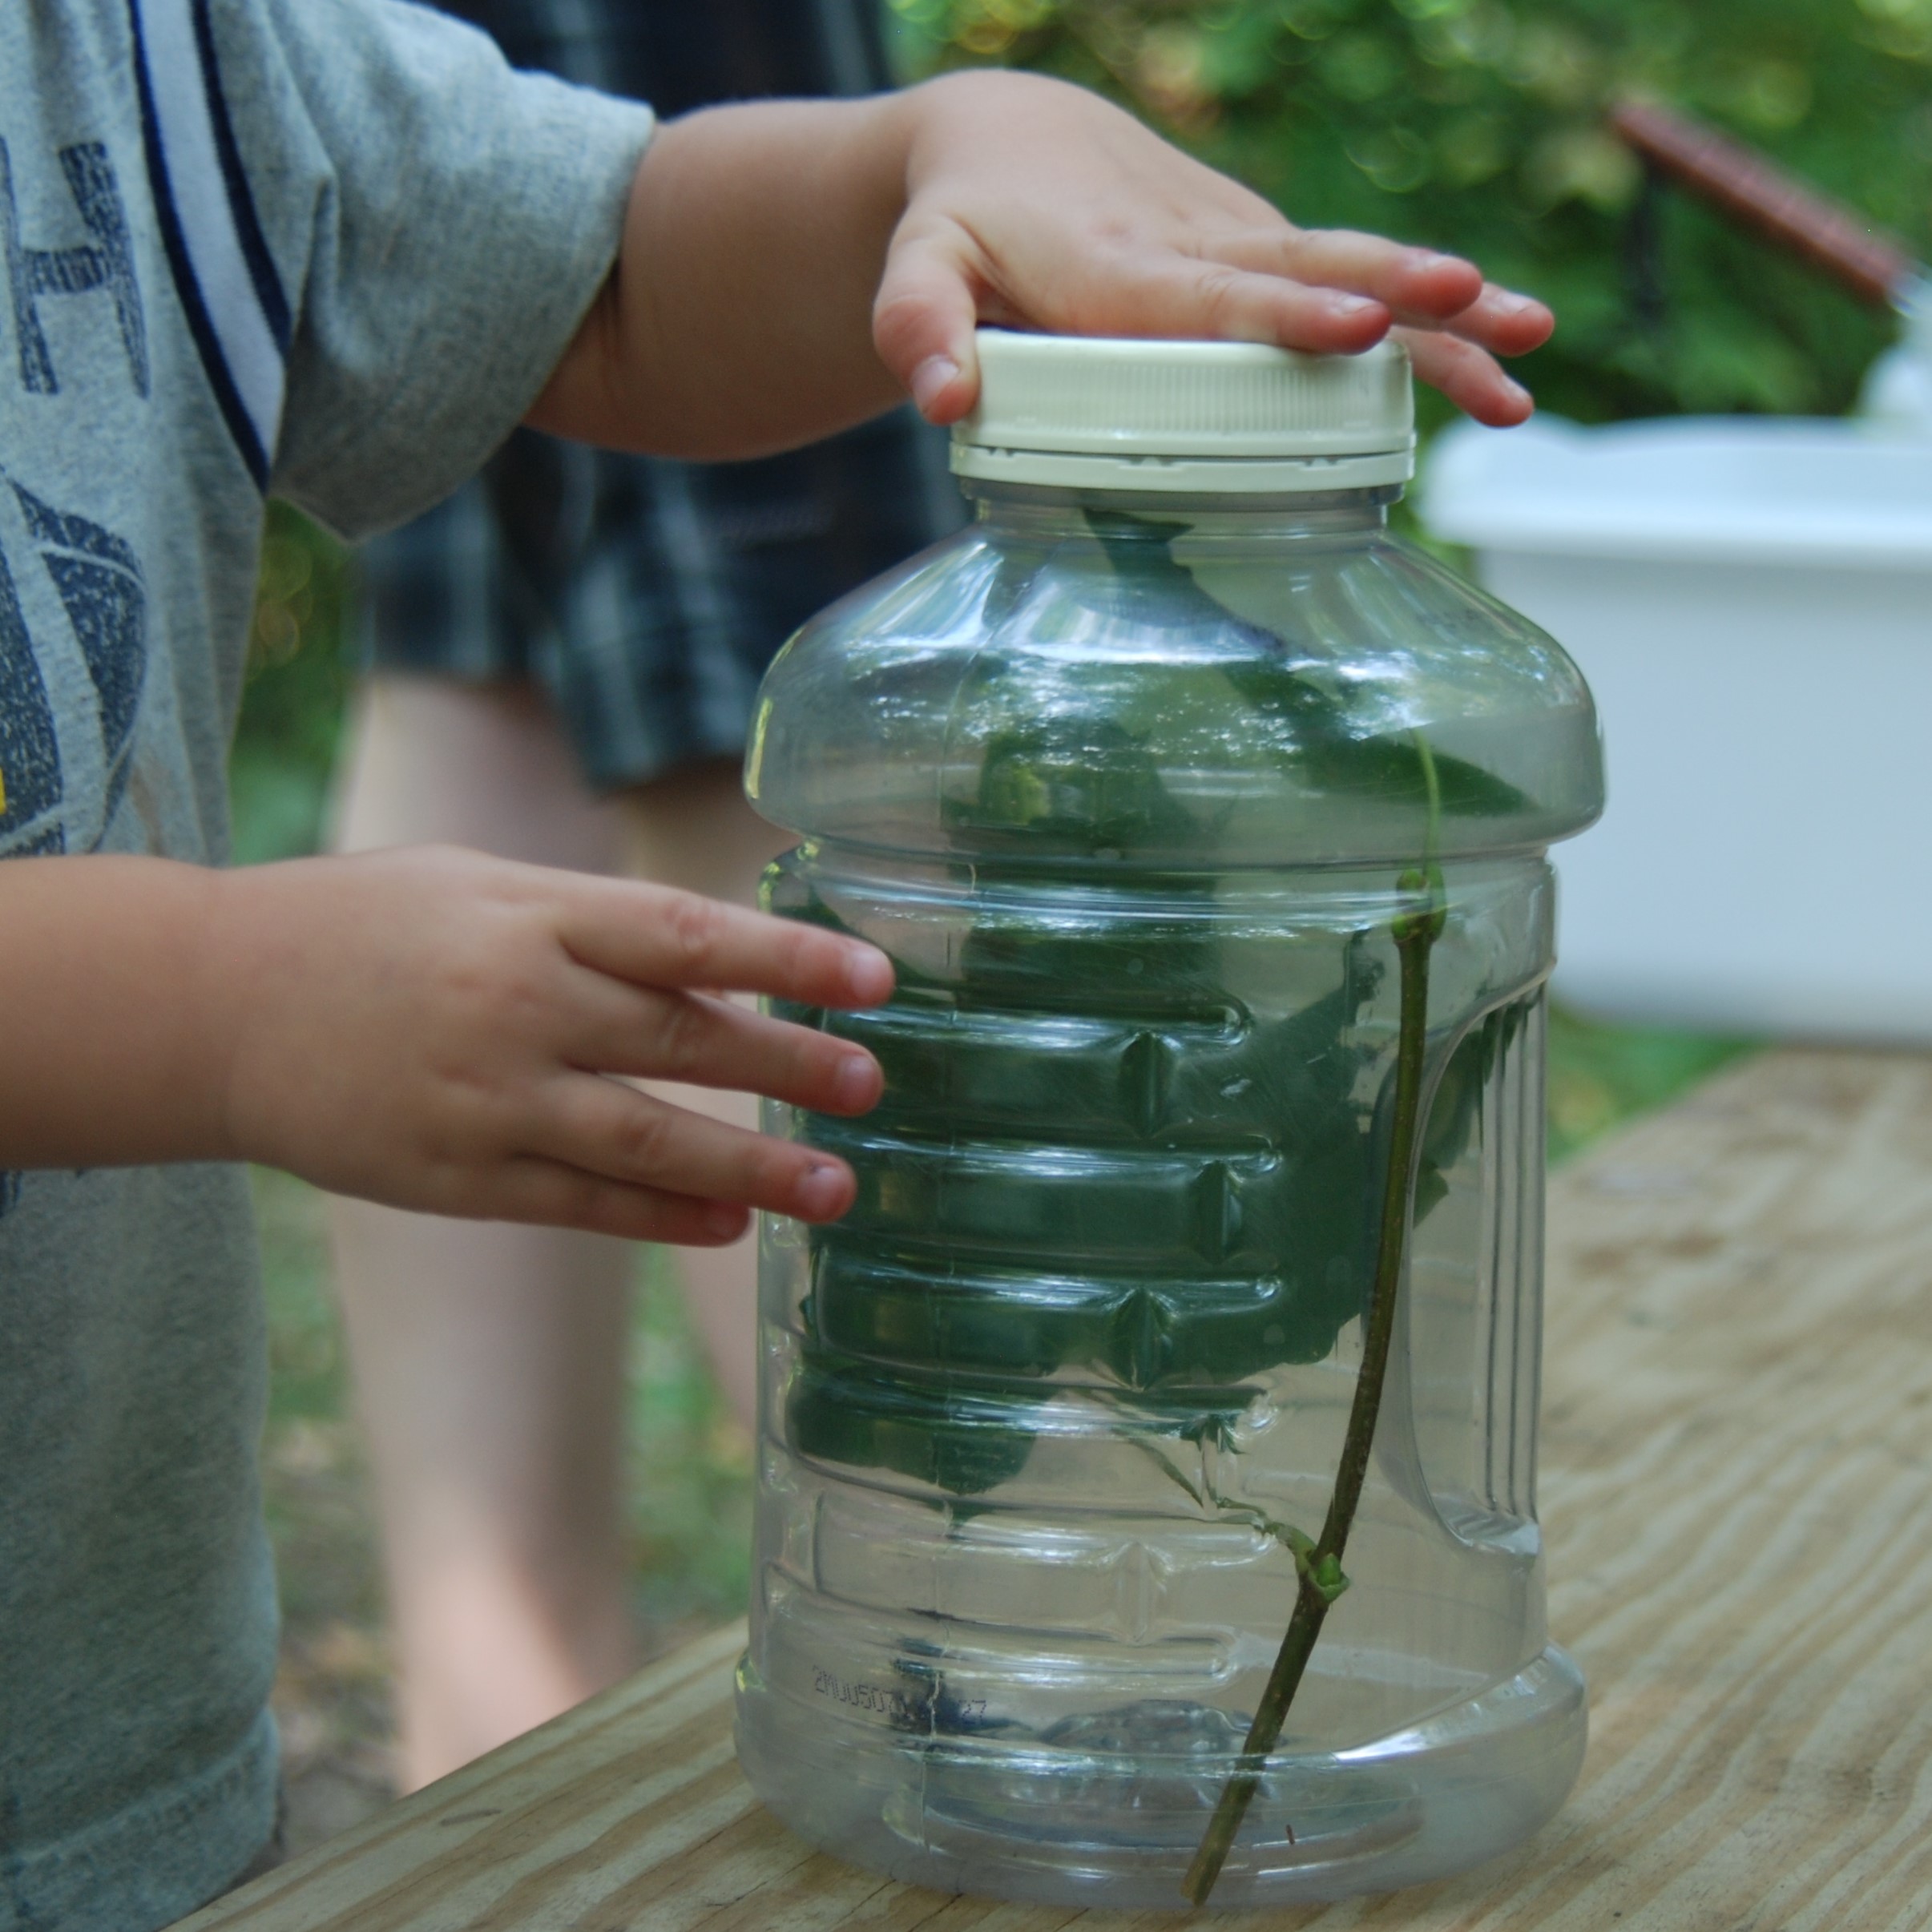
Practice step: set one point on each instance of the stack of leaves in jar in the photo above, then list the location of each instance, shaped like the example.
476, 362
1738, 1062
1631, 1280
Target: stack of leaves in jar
1095, 1168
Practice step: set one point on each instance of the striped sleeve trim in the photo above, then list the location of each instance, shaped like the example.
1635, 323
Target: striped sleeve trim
236, 310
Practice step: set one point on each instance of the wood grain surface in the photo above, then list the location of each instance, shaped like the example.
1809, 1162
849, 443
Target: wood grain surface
1737, 1487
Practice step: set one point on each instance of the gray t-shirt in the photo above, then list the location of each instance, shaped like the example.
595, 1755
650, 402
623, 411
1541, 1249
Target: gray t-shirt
330, 248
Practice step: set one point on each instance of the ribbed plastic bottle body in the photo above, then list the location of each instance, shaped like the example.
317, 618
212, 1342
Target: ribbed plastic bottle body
1043, 1415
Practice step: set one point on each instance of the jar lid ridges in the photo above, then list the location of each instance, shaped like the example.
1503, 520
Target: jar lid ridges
1126, 413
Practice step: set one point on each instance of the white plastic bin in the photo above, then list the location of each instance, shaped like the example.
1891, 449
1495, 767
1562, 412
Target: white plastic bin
1751, 600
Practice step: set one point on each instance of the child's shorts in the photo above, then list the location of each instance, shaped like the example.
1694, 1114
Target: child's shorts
645, 598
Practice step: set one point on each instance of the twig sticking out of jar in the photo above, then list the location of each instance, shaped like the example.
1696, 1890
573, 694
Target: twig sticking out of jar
1319, 1567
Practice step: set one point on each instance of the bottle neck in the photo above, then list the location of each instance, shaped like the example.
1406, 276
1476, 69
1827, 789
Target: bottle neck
1044, 513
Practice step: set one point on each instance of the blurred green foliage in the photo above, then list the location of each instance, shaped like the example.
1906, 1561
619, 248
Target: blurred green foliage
1601, 1074
690, 1467
298, 676
1478, 126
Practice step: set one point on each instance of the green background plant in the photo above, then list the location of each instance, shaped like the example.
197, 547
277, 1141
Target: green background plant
1477, 126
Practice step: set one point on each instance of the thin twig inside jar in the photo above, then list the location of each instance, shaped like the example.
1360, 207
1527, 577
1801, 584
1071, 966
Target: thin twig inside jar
1321, 1579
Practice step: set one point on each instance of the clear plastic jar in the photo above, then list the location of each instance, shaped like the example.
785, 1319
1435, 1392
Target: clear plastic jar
1161, 800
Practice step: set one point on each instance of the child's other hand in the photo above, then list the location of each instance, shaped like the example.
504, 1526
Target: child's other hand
1033, 204
441, 1030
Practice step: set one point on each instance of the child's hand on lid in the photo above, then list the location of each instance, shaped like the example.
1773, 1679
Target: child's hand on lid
1033, 203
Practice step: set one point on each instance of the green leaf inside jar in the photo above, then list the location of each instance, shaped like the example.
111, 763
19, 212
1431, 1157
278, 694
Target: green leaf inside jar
1097, 1174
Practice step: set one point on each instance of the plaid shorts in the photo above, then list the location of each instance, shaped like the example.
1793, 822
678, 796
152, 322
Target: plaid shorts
645, 599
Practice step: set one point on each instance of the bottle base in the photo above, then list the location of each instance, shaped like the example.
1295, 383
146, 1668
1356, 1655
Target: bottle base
1108, 1810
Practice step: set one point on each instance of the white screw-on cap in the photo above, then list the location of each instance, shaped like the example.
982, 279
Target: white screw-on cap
1109, 412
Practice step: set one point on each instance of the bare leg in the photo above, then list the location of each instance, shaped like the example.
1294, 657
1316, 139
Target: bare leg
489, 1358
489, 1369
694, 829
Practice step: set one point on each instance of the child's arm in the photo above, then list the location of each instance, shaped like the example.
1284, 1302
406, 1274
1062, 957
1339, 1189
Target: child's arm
768, 248
430, 1028
436, 1030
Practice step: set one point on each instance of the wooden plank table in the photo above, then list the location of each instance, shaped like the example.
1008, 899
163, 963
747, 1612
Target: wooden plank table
1737, 1486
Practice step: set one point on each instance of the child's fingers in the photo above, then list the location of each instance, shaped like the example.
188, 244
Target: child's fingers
655, 936
1469, 377
712, 1042
1418, 284
1502, 321
1423, 290
605, 1128
1420, 288
923, 319
554, 1194
1179, 297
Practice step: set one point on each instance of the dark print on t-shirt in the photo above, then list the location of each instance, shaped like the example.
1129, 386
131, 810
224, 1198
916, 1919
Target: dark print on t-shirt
105, 261
76, 577
66, 584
